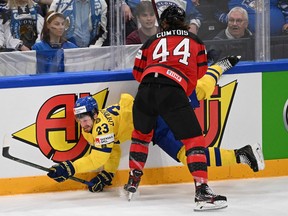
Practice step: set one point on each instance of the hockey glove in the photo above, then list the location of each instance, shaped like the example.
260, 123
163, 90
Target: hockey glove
62, 171
102, 179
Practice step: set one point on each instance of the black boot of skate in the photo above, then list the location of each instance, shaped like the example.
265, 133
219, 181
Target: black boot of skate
206, 199
133, 182
251, 155
227, 62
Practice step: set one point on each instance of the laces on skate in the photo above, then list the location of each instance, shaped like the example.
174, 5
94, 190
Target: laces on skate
227, 62
206, 199
251, 155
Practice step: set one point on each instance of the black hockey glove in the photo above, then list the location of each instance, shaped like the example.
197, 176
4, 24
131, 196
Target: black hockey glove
62, 171
100, 181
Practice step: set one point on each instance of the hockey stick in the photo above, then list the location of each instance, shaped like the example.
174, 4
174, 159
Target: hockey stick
6, 154
155, 11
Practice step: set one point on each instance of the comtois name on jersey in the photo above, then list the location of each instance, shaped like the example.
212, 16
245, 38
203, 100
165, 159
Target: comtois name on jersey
172, 32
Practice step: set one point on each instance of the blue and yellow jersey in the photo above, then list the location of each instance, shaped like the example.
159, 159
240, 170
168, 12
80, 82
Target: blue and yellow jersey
112, 127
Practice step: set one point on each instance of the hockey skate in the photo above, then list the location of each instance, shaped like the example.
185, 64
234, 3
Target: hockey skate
227, 62
251, 155
133, 183
206, 199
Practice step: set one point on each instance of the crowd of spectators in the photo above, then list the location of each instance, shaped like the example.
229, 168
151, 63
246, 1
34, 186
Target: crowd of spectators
87, 22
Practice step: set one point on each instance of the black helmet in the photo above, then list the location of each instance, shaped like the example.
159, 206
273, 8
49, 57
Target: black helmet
172, 14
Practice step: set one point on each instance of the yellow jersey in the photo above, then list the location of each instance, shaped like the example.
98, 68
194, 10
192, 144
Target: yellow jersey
112, 127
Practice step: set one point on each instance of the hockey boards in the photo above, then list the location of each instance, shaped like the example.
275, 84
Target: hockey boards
6, 154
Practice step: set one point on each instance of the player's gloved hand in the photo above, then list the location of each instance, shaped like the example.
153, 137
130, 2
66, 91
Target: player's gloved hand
62, 171
100, 181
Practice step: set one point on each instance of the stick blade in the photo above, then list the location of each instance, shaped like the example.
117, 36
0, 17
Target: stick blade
5, 151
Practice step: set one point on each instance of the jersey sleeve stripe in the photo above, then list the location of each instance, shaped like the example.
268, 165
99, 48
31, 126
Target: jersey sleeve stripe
212, 69
212, 75
202, 64
202, 52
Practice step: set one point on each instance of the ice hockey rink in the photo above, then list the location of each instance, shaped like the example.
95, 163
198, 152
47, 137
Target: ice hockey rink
259, 196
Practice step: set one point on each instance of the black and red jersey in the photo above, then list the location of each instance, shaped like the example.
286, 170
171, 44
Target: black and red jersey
177, 54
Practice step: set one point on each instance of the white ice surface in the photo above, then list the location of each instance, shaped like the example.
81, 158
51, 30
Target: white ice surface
261, 196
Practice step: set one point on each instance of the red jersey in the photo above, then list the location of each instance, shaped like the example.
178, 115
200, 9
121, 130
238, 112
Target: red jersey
176, 54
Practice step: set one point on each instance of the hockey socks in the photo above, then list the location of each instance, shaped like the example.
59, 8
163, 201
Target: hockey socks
139, 149
196, 158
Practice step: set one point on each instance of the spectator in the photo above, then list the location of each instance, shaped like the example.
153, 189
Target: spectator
44, 5
88, 21
128, 8
209, 25
283, 5
277, 20
2, 17
24, 24
52, 35
49, 51
237, 28
147, 20
192, 14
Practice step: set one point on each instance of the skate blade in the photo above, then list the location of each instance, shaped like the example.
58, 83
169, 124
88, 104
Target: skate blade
123, 193
204, 206
133, 196
257, 150
130, 196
